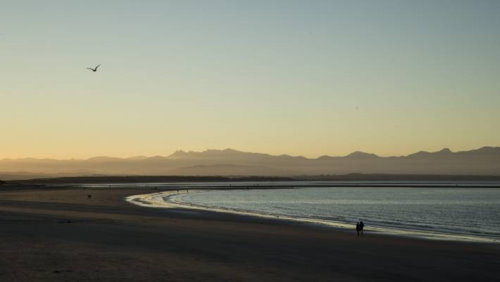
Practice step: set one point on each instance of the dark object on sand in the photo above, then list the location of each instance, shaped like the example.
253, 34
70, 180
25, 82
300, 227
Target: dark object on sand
61, 271
89, 196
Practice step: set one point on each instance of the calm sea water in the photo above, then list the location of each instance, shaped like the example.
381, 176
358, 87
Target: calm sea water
469, 212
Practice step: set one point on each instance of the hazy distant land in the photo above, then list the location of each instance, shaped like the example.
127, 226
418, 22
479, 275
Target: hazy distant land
375, 178
356, 166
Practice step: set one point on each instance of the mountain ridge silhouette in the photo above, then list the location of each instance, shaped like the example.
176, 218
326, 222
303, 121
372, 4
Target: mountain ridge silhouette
481, 161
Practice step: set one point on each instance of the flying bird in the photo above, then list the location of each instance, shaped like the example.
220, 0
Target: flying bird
94, 69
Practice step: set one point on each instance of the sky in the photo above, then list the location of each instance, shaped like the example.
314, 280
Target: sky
291, 77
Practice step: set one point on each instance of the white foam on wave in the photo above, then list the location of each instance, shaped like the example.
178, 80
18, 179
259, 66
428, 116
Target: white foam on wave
166, 199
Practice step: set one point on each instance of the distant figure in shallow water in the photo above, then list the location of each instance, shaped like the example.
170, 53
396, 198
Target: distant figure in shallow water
361, 226
358, 228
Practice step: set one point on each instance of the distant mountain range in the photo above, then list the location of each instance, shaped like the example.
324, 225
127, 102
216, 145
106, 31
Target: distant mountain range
228, 162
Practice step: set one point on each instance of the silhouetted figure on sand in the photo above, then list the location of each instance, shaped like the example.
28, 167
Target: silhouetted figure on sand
359, 227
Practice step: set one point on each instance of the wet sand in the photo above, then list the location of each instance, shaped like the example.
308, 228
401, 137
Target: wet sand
61, 235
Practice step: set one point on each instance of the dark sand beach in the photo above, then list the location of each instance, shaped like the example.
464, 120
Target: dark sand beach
61, 235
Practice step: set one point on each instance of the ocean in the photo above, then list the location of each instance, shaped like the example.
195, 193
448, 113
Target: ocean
448, 213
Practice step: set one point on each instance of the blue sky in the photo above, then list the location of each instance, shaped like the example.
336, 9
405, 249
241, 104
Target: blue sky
296, 77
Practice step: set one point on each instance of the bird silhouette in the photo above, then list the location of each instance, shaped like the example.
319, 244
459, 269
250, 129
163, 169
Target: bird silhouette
94, 69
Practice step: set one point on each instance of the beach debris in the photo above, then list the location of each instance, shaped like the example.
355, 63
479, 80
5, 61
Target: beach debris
66, 221
61, 271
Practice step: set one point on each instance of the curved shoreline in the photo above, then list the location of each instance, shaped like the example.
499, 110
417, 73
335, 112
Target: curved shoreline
164, 200
108, 239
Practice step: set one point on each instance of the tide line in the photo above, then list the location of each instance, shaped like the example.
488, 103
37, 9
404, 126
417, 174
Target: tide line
166, 199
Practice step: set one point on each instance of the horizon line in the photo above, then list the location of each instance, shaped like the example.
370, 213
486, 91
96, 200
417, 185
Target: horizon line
445, 149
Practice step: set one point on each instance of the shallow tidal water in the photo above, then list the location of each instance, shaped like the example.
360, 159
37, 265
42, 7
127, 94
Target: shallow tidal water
472, 213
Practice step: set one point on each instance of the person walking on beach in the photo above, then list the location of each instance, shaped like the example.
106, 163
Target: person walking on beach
358, 228
361, 226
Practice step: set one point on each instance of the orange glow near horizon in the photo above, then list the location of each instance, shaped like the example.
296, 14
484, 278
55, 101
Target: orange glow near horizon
310, 79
